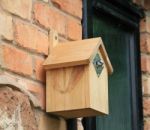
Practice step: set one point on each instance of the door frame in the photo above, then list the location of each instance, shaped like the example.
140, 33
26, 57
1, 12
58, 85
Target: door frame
128, 14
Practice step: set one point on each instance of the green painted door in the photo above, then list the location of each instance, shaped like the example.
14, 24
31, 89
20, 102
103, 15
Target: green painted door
117, 22
117, 42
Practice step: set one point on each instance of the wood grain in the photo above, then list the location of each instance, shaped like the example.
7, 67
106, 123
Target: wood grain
73, 88
72, 53
53, 40
98, 89
66, 88
77, 91
86, 112
106, 58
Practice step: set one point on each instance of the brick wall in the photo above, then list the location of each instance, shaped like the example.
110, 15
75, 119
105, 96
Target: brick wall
24, 27
145, 60
145, 64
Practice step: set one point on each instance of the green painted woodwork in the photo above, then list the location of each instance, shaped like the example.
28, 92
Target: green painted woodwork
117, 41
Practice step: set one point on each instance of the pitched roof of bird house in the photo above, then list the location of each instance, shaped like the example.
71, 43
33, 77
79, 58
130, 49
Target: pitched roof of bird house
76, 53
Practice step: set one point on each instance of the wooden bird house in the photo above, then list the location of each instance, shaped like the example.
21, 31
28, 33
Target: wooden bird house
77, 79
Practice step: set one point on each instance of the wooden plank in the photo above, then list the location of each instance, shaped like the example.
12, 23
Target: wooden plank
72, 53
86, 112
106, 58
53, 40
98, 89
67, 89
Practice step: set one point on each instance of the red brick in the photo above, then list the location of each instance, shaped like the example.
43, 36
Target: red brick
39, 92
146, 86
145, 63
146, 106
30, 37
144, 3
49, 17
139, 2
16, 105
16, 60
45, 0
147, 125
39, 70
145, 43
147, 4
145, 24
6, 28
74, 7
74, 29
21, 8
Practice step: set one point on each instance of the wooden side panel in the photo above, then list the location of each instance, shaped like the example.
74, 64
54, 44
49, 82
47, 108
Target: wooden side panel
99, 89
67, 88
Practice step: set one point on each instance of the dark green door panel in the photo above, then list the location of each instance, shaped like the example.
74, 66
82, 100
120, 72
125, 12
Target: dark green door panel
116, 40
117, 22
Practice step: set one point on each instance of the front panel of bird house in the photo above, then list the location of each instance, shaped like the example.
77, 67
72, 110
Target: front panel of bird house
68, 90
77, 79
77, 91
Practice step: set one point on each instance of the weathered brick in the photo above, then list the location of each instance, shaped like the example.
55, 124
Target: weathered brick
145, 24
30, 37
146, 106
49, 17
16, 60
74, 29
146, 85
39, 70
147, 125
16, 105
145, 63
35, 91
45, 0
145, 43
21, 8
6, 28
145, 60
147, 4
74, 7
38, 91
144, 3
139, 2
